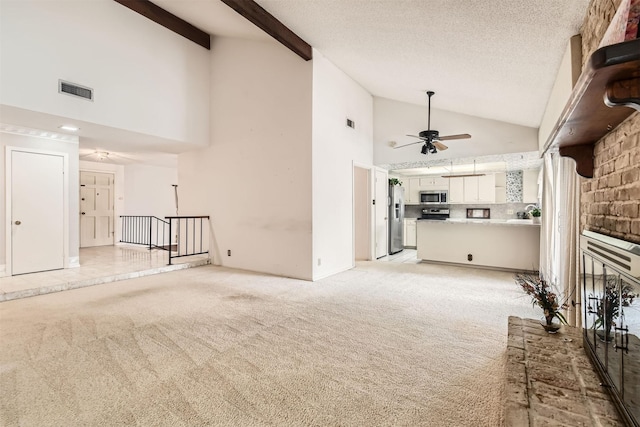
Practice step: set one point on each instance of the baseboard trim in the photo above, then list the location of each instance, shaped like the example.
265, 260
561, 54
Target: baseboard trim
3, 270
74, 262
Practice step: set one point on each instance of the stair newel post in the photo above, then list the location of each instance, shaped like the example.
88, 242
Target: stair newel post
169, 251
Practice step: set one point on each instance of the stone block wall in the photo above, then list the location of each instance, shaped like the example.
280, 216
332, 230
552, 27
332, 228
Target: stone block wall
610, 201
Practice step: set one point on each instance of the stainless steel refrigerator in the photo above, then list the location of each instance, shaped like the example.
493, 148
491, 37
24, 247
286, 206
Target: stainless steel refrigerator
396, 219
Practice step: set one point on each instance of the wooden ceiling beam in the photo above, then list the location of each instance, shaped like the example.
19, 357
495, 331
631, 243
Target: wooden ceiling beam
169, 21
254, 13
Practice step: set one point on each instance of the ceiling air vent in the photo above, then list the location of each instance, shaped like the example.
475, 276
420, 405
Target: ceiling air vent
75, 90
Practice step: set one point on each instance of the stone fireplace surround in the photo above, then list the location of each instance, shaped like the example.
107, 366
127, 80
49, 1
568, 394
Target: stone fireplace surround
550, 380
610, 201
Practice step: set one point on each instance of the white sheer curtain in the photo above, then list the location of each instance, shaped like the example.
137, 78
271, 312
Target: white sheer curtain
559, 232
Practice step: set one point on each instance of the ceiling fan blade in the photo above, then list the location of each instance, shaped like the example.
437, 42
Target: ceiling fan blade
416, 136
450, 137
406, 145
439, 145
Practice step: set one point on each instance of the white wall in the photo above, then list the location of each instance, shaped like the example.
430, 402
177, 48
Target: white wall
336, 147
148, 190
146, 78
255, 178
393, 120
568, 74
23, 141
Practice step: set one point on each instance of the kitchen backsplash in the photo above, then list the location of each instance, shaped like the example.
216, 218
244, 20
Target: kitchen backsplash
498, 211
514, 186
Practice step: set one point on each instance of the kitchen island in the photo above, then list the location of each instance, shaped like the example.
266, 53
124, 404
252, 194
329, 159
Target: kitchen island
506, 244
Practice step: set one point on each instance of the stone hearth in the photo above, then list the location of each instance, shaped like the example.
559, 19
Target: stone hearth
550, 380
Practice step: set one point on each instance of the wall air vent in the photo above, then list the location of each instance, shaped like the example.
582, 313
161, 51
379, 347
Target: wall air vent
351, 124
75, 90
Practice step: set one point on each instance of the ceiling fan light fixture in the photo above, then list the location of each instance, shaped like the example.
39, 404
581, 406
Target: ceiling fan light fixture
102, 155
424, 149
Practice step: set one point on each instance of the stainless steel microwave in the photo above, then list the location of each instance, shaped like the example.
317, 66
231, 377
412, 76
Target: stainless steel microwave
435, 197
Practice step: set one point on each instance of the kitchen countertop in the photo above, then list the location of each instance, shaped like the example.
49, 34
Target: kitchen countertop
509, 222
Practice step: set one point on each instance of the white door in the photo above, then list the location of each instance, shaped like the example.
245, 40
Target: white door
37, 212
382, 212
96, 209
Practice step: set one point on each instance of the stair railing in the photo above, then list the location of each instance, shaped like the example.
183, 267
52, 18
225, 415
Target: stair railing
150, 231
191, 235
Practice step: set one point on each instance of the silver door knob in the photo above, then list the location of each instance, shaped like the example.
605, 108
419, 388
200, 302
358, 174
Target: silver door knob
17, 223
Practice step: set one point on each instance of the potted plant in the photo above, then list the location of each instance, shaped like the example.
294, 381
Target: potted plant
535, 214
394, 181
543, 296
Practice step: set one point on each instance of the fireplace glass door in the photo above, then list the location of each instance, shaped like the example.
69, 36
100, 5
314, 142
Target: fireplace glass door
611, 321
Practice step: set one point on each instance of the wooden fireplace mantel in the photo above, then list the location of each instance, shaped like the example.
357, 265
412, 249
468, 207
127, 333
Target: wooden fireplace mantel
606, 93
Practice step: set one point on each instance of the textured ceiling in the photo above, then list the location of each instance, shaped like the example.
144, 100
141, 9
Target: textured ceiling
495, 58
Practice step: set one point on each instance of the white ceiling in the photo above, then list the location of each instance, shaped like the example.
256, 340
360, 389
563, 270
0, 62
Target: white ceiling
495, 59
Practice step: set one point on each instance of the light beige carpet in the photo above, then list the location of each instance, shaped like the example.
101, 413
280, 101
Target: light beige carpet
380, 345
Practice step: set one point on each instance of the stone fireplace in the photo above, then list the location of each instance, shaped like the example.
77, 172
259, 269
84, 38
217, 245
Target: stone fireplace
610, 276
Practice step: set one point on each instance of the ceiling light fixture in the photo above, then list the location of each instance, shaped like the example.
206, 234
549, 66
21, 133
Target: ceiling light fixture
102, 155
70, 128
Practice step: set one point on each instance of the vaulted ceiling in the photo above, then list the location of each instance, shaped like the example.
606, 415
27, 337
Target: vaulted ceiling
495, 58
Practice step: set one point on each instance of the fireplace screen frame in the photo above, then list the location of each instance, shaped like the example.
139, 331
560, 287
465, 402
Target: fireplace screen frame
610, 269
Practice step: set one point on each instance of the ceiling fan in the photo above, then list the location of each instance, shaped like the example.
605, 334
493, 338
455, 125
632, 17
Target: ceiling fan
431, 138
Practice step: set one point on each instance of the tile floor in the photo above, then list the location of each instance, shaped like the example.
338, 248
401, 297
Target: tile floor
103, 264
407, 256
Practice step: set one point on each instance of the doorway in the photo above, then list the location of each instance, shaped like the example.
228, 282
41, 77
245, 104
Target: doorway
381, 212
96, 209
362, 213
36, 211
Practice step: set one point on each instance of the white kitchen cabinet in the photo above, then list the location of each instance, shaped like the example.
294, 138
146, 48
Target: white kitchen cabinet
480, 189
412, 192
410, 233
501, 188
530, 185
456, 190
434, 183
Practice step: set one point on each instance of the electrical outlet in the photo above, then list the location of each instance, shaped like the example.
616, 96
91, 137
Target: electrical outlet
509, 211
228, 252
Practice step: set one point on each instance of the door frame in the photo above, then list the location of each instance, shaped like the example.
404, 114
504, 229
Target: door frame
9, 196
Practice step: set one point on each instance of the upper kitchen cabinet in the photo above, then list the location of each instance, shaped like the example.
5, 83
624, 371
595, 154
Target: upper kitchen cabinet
501, 187
530, 185
480, 189
412, 195
434, 183
456, 190
472, 189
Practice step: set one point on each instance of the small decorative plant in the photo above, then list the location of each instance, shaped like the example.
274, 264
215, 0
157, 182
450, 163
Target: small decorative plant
543, 296
536, 212
394, 181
